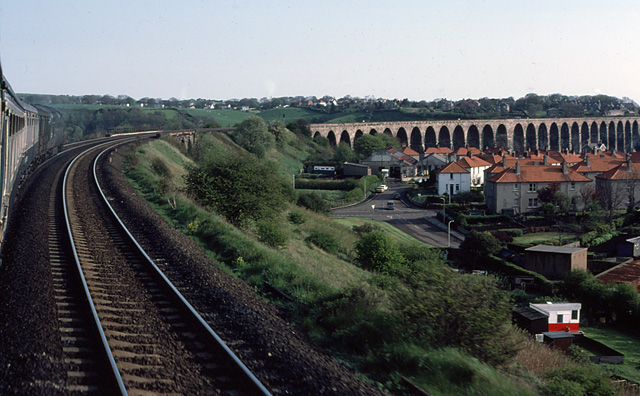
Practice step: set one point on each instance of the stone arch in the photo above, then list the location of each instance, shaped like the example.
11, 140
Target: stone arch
502, 138
612, 136
554, 137
487, 137
627, 137
518, 139
387, 131
543, 137
316, 134
635, 136
584, 136
444, 137
620, 137
416, 140
594, 133
345, 138
373, 132
575, 138
473, 137
530, 138
402, 137
357, 136
332, 138
604, 137
458, 138
430, 138
565, 137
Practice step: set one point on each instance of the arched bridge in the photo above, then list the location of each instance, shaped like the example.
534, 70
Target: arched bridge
518, 134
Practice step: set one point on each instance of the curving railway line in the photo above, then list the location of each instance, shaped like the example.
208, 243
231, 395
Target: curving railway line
153, 341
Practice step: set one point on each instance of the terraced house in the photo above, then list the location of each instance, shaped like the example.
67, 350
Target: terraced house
515, 189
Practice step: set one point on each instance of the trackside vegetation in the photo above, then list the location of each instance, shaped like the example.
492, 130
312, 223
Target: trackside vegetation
390, 308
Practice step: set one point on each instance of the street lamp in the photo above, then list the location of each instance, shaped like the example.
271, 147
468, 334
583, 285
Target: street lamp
449, 228
444, 202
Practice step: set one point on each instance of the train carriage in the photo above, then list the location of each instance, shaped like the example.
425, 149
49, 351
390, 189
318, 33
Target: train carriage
27, 135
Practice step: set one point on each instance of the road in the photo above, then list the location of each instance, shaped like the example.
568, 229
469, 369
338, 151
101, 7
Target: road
416, 222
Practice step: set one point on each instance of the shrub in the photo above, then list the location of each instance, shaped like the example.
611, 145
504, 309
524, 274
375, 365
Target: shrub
375, 251
159, 167
296, 218
313, 201
272, 234
355, 195
324, 241
366, 227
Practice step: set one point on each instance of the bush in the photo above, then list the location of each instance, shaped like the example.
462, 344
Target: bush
355, 195
296, 218
272, 234
313, 201
324, 241
375, 251
365, 228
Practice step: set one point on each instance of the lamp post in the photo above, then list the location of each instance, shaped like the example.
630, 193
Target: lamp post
444, 215
449, 233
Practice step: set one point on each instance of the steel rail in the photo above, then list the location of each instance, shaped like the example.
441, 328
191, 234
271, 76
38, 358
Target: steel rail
245, 370
116, 373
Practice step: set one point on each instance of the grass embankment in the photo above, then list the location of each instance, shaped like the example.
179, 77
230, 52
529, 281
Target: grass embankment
380, 325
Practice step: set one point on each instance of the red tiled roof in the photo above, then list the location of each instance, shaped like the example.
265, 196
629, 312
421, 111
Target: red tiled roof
622, 172
598, 164
537, 174
472, 162
453, 167
494, 159
438, 150
467, 150
409, 151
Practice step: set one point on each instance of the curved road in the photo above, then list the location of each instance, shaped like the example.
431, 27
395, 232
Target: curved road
417, 222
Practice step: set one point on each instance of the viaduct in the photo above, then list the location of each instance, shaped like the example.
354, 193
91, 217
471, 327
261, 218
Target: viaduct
518, 134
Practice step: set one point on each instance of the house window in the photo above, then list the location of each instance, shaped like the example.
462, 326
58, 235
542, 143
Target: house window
560, 318
516, 187
457, 188
533, 202
450, 176
516, 202
574, 315
573, 185
532, 187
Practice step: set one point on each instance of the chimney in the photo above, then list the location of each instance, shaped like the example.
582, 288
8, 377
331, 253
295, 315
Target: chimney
504, 160
564, 167
545, 160
517, 167
588, 161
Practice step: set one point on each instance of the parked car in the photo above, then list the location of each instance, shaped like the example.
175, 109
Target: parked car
396, 195
391, 205
380, 189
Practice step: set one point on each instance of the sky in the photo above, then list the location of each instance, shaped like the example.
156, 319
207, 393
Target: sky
414, 49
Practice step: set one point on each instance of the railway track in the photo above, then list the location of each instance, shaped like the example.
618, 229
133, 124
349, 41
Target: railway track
154, 341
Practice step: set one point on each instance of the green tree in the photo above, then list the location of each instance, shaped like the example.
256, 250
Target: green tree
278, 131
252, 134
480, 244
239, 189
377, 252
367, 144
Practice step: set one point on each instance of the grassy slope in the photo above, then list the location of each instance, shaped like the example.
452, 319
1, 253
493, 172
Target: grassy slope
308, 273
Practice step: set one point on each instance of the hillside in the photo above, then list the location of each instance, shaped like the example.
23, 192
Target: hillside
447, 332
